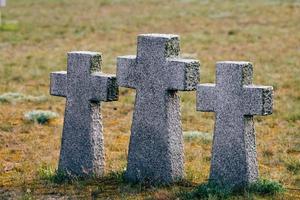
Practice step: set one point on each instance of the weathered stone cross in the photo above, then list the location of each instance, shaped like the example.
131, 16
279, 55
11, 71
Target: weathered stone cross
2, 3
84, 86
156, 147
234, 100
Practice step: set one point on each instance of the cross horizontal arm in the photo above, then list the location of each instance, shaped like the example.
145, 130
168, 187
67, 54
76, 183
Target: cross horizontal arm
258, 100
58, 83
126, 71
183, 74
206, 97
104, 87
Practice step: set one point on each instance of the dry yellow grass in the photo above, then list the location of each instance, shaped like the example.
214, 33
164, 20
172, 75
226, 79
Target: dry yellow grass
265, 32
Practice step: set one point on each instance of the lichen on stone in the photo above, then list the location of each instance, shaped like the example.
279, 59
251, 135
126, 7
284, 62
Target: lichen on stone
172, 48
192, 75
247, 74
267, 101
96, 62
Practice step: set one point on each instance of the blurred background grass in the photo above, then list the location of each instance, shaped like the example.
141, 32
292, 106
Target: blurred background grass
265, 32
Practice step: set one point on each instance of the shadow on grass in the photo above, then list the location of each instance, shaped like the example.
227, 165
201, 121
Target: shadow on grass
52, 176
211, 190
113, 185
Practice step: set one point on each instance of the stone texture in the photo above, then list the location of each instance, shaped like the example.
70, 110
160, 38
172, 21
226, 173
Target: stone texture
84, 86
156, 145
234, 100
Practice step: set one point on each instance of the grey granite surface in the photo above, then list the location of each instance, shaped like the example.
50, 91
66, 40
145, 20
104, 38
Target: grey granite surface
234, 100
84, 86
157, 73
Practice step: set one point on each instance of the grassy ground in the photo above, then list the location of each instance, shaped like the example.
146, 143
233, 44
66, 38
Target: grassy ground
265, 32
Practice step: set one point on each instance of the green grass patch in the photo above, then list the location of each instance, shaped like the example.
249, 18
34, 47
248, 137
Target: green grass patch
293, 166
207, 190
265, 187
51, 175
9, 26
13, 97
211, 190
40, 116
117, 175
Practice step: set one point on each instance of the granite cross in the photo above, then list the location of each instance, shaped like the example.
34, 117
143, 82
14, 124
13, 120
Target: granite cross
156, 145
84, 86
2, 3
234, 100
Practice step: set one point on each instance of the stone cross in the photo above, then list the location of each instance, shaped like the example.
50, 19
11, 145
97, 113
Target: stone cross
234, 100
156, 146
84, 86
2, 3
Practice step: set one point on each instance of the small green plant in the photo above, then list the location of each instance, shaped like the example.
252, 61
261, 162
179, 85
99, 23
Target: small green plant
12, 97
27, 195
117, 175
211, 190
40, 116
265, 187
293, 166
9, 26
193, 135
49, 174
46, 172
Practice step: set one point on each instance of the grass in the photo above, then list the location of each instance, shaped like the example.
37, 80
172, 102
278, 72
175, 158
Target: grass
266, 187
211, 190
40, 116
50, 175
194, 135
9, 26
14, 97
293, 166
208, 191
264, 32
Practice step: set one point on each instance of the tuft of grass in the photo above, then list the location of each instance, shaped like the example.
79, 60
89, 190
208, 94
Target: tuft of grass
212, 190
27, 195
40, 116
293, 166
52, 175
9, 26
117, 175
12, 97
209, 190
46, 172
6, 127
193, 135
265, 187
